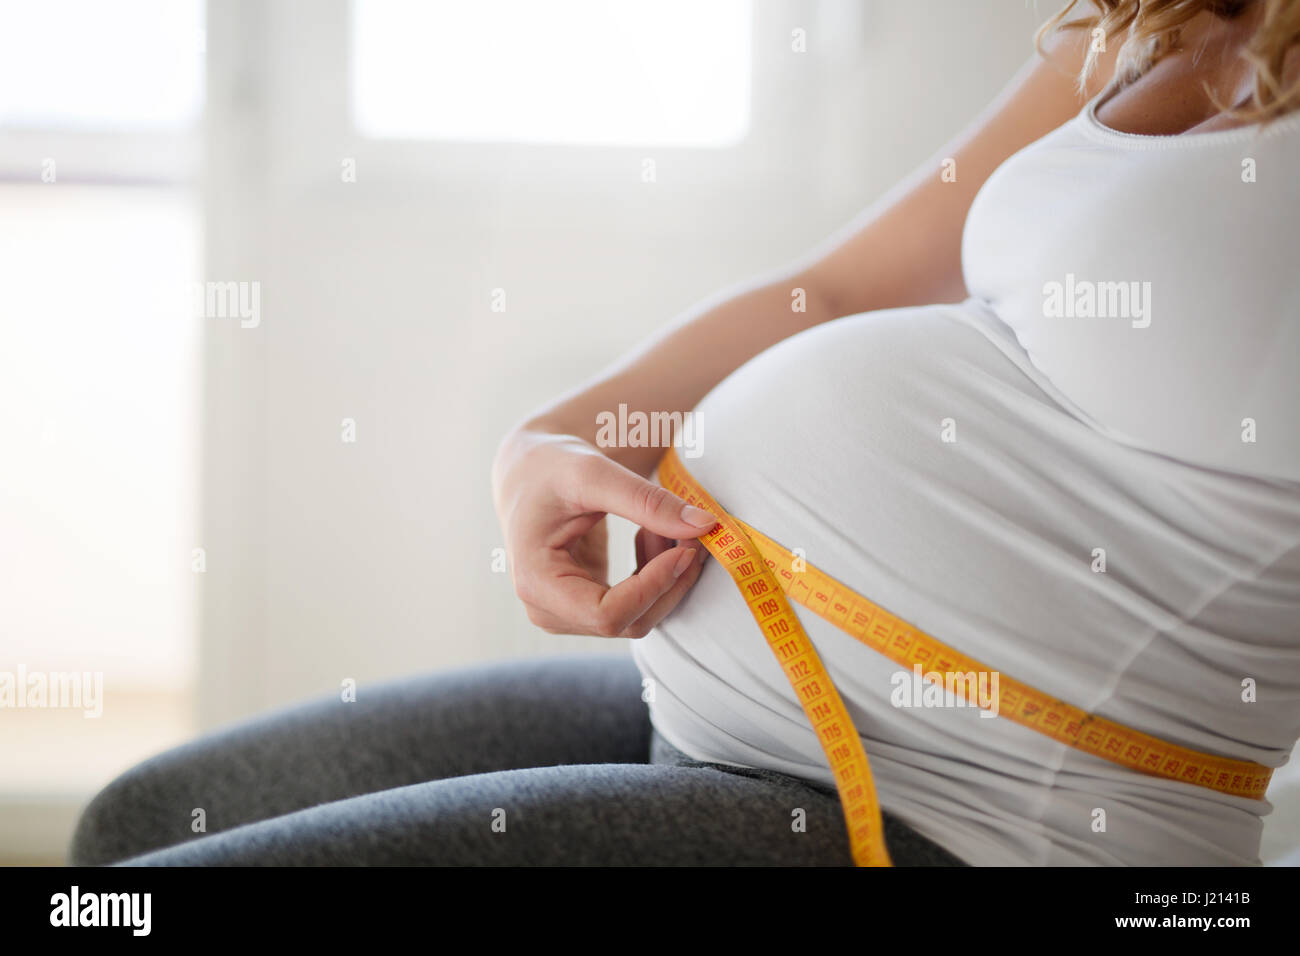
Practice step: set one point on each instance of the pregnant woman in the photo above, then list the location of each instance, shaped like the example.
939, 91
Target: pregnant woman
1041, 404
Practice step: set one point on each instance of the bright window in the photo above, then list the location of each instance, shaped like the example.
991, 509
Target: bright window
592, 72
90, 64
99, 394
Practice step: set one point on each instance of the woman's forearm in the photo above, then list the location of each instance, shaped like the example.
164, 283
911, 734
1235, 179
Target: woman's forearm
904, 250
673, 370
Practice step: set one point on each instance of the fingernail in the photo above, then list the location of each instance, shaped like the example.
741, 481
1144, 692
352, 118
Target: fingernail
683, 563
698, 517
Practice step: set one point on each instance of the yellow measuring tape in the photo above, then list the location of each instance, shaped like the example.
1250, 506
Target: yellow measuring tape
766, 575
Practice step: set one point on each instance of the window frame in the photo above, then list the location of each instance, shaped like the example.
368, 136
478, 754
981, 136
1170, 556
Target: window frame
108, 155
316, 135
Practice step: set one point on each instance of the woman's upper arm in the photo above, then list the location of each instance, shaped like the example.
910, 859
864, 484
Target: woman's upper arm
905, 249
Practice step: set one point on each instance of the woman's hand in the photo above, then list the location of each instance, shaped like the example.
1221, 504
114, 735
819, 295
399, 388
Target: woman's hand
552, 493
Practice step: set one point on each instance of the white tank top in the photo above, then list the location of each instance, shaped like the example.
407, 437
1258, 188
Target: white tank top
1087, 476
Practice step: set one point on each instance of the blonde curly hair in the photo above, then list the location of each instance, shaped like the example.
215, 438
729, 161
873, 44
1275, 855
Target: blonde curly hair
1151, 29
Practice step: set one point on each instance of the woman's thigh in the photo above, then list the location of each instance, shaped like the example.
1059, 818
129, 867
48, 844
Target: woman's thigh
518, 714
593, 814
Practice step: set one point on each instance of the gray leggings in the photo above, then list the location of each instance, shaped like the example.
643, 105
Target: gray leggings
540, 762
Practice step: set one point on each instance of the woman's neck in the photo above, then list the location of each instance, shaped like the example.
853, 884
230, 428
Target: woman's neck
1187, 89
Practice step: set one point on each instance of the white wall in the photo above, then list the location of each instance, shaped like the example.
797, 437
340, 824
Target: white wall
329, 560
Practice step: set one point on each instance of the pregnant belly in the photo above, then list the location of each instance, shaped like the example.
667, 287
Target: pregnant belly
881, 446
918, 457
